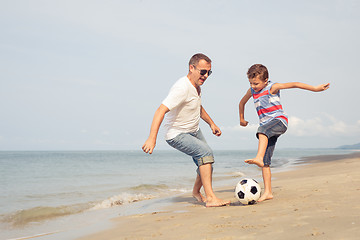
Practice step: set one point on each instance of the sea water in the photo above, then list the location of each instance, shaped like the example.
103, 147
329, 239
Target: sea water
45, 191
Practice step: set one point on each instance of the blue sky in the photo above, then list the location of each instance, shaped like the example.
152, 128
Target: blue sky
89, 75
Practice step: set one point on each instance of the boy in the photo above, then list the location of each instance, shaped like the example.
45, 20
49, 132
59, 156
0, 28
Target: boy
273, 120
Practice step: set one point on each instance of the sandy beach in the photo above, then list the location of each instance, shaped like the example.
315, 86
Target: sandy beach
318, 200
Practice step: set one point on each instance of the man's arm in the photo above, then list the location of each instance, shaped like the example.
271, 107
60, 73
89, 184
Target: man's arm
242, 103
205, 116
278, 86
150, 143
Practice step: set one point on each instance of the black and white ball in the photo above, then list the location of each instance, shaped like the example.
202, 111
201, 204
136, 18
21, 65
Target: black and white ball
247, 191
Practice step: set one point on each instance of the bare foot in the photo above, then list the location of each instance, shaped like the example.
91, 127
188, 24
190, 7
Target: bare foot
265, 196
257, 161
216, 202
199, 197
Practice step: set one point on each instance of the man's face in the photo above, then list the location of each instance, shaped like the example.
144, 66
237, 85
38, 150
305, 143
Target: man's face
202, 67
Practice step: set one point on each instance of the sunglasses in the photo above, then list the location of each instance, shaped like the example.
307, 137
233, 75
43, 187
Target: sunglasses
204, 71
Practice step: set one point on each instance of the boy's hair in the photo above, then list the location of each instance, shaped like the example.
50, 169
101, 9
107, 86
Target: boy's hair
258, 70
194, 60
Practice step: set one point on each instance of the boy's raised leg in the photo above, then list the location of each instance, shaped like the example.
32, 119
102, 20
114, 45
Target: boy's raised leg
258, 160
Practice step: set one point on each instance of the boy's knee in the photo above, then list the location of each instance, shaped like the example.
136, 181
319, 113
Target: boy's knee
260, 134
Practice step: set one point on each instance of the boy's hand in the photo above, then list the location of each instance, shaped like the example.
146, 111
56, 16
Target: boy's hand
322, 87
243, 122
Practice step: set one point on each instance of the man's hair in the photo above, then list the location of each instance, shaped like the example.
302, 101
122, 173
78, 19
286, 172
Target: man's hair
258, 70
194, 60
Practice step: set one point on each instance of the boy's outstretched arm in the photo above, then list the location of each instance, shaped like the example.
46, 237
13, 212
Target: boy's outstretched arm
278, 86
150, 143
242, 103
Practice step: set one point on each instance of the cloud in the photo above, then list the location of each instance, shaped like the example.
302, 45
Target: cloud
324, 125
308, 127
105, 133
238, 128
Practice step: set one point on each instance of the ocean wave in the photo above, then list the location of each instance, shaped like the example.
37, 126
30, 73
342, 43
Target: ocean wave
55, 195
121, 199
38, 214
179, 190
150, 187
161, 189
236, 174
228, 175
42, 213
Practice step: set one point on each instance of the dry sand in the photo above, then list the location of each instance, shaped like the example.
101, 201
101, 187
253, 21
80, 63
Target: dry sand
320, 200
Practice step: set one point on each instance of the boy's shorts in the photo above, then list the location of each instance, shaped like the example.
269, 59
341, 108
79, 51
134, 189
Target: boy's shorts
194, 145
272, 130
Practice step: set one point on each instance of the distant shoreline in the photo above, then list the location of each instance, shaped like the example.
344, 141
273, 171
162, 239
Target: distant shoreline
168, 150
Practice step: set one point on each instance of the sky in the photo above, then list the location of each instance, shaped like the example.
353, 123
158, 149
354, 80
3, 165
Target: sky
89, 75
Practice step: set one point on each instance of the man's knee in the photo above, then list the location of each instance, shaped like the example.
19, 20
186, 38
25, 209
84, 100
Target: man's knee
209, 159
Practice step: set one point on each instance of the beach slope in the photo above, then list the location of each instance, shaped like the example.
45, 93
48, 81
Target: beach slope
319, 200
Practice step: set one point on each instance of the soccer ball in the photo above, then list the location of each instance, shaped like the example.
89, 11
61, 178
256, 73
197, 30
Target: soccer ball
247, 191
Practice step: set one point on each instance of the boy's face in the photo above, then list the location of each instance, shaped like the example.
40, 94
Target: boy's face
257, 84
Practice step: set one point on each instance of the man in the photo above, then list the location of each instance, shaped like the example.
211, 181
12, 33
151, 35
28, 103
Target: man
183, 105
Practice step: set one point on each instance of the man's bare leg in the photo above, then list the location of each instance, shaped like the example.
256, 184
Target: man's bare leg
267, 195
196, 190
206, 179
258, 160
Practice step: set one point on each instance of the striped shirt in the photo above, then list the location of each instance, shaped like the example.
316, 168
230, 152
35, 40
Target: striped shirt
268, 105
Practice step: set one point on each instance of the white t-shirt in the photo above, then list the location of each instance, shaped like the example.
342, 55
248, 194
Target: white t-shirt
184, 104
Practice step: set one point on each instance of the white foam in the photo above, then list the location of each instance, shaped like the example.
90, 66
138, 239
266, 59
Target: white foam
34, 236
179, 190
122, 199
237, 174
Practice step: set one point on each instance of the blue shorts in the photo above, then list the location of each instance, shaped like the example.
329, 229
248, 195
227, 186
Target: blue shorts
194, 145
272, 130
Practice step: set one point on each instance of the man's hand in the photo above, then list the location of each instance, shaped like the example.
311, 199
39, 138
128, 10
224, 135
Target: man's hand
216, 130
149, 146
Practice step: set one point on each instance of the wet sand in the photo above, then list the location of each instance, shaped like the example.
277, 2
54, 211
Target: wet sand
318, 200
